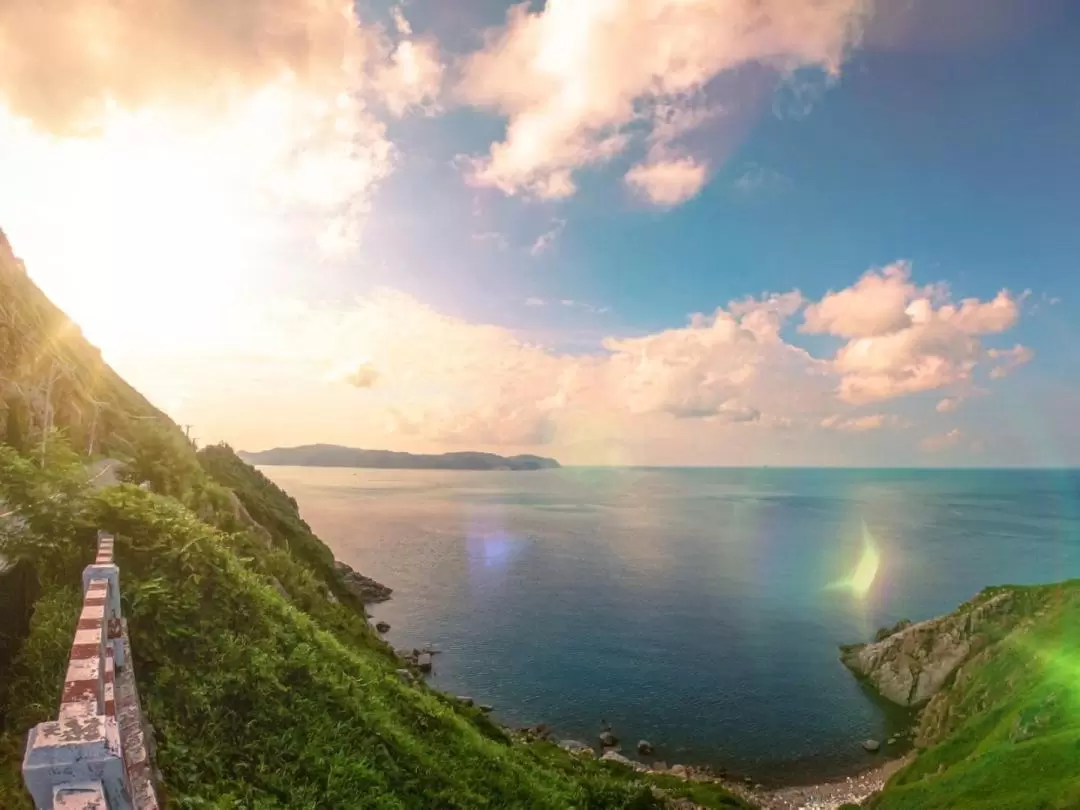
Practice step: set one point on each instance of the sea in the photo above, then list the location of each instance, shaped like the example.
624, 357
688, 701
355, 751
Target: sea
699, 609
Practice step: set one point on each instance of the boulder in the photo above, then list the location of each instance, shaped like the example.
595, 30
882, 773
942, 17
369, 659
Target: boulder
363, 588
486, 708
423, 662
573, 746
644, 747
465, 700
608, 739
615, 756
678, 770
382, 627
871, 745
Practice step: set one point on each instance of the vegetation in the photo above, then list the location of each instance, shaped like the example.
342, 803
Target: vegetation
1006, 732
884, 632
267, 504
259, 699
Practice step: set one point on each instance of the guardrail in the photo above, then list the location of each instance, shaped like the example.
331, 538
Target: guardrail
94, 756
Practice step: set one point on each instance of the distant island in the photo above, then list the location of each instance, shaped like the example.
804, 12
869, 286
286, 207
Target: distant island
332, 455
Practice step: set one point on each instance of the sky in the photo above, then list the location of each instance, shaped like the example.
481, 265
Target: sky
617, 232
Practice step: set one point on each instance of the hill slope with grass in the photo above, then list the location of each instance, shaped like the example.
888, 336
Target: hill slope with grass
265, 689
1000, 683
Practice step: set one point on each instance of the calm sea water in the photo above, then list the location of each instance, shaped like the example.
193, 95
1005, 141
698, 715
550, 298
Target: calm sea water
698, 609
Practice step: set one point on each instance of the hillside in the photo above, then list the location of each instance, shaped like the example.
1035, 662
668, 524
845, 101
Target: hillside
331, 455
999, 680
265, 685
50, 376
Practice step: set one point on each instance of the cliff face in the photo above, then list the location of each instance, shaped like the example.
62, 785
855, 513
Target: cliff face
911, 666
997, 683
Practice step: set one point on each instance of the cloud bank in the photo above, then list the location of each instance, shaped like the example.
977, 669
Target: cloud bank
578, 82
441, 379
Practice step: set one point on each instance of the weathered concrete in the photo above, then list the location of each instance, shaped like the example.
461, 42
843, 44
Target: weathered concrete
135, 740
85, 760
80, 797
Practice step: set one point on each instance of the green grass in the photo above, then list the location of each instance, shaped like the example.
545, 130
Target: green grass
261, 701
1006, 732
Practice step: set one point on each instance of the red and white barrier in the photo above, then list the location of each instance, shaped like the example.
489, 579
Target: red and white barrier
80, 757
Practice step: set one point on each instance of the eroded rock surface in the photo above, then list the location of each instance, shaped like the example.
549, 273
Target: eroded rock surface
909, 667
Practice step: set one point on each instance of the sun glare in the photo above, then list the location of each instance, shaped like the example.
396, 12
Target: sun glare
157, 222
862, 578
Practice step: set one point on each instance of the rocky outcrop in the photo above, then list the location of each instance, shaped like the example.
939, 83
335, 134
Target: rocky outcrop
910, 666
363, 588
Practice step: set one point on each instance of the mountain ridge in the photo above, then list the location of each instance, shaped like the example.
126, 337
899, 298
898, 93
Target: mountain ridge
334, 455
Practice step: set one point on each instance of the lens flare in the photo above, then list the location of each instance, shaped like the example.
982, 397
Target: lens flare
862, 578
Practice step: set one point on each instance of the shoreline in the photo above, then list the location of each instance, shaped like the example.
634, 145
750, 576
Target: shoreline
834, 794
839, 784
844, 784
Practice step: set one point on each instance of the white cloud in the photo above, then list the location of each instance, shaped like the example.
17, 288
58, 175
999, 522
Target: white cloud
904, 339
756, 179
545, 241
1008, 360
944, 441
259, 104
575, 79
875, 305
862, 424
668, 182
438, 380
949, 405
412, 77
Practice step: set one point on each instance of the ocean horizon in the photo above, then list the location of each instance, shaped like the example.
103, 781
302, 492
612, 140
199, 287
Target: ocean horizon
698, 608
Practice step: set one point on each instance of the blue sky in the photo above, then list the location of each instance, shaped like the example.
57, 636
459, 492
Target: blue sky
530, 292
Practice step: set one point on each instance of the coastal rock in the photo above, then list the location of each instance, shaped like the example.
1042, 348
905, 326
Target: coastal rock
572, 745
363, 588
382, 627
608, 739
464, 700
615, 756
423, 662
644, 747
486, 708
678, 770
871, 745
910, 666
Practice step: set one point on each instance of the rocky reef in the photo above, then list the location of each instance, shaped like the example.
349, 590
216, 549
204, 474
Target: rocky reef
911, 665
363, 588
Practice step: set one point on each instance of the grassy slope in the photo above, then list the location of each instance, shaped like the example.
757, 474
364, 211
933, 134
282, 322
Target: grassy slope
259, 699
1006, 731
38, 341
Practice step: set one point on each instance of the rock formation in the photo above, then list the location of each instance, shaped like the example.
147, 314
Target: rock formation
910, 666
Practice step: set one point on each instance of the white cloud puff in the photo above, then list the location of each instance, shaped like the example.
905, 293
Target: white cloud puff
903, 339
668, 182
943, 441
575, 79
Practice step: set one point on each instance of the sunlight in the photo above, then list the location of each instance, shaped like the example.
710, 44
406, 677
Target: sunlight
157, 225
862, 578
